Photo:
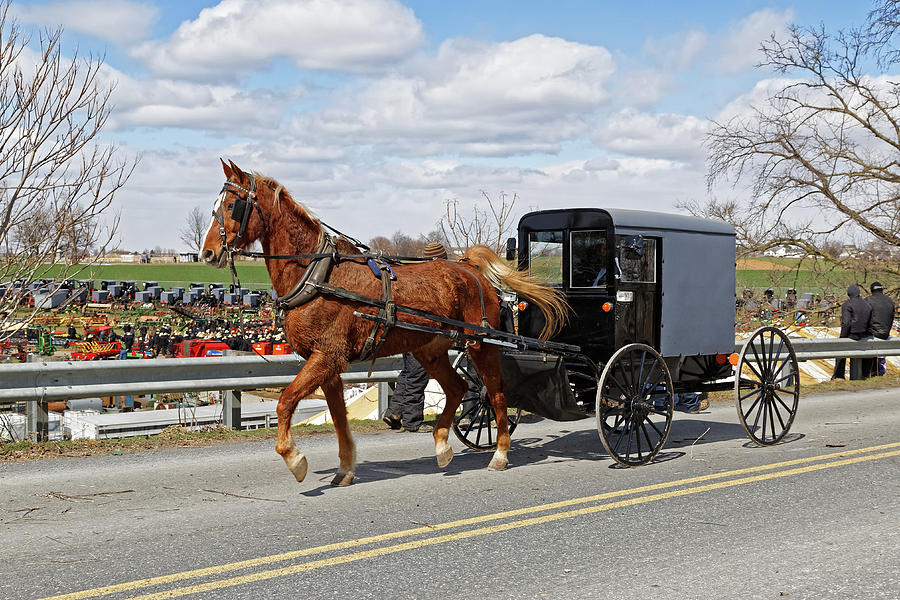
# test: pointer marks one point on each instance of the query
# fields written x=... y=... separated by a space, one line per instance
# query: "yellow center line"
x=376 y=552
x=234 y=566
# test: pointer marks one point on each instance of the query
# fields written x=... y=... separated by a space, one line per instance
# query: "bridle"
x=240 y=211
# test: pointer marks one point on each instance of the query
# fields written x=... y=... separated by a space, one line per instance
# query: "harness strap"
x=316 y=272
x=327 y=288
x=387 y=315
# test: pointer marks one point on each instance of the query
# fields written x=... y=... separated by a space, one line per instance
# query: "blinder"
x=241 y=206
x=241 y=209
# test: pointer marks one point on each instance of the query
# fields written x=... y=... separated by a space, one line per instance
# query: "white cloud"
x=153 y=103
x=656 y=136
x=239 y=36
x=119 y=21
x=524 y=96
x=679 y=51
x=739 y=46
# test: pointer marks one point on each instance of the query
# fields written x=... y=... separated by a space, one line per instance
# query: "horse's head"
x=237 y=218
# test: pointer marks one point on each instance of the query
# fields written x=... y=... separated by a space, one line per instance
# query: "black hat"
x=876 y=287
x=853 y=291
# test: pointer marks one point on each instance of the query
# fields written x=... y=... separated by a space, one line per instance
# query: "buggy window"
x=637 y=267
x=545 y=256
x=589 y=259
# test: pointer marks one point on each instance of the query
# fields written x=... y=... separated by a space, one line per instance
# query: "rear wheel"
x=476 y=426
x=635 y=402
x=767 y=386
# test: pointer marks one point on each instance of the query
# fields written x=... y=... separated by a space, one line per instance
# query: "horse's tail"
x=551 y=301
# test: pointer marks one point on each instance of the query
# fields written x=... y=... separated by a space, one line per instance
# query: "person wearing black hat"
x=127 y=341
x=882 y=320
x=856 y=317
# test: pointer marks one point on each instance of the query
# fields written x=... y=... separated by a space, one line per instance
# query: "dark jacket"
x=856 y=315
x=882 y=315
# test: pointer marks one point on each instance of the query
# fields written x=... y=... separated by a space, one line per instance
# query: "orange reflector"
x=606 y=307
x=733 y=358
x=522 y=305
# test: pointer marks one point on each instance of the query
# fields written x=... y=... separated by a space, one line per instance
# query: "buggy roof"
x=645 y=219
x=626 y=218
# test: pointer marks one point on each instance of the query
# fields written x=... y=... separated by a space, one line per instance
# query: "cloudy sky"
x=375 y=112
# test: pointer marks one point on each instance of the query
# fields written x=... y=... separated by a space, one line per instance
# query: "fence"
x=40 y=382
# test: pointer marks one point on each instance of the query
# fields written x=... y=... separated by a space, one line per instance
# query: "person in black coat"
x=882 y=320
x=856 y=317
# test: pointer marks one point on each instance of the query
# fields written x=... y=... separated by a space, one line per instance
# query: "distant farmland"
x=757 y=274
x=168 y=275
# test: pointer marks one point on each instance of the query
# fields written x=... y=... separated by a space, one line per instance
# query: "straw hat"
x=435 y=250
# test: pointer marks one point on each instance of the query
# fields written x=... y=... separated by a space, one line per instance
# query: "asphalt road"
x=713 y=517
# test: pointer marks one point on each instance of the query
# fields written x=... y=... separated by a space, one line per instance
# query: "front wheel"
x=635 y=402
x=475 y=427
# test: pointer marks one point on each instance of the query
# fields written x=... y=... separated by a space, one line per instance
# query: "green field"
x=252 y=275
x=800 y=276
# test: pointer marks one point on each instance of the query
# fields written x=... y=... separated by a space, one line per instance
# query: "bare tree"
x=56 y=182
x=821 y=152
x=195 y=227
x=489 y=225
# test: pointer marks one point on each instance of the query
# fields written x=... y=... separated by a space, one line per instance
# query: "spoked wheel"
x=767 y=386
x=635 y=401
x=476 y=427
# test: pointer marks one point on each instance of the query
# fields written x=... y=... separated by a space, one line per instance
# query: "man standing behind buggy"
x=882 y=321
x=856 y=317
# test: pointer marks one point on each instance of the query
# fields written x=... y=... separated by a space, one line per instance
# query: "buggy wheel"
x=635 y=401
x=767 y=386
x=475 y=427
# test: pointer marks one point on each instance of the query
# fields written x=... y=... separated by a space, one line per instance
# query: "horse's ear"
x=226 y=168
x=237 y=171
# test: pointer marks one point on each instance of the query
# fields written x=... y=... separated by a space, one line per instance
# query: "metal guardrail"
x=43 y=381
x=38 y=383
x=50 y=381
x=819 y=348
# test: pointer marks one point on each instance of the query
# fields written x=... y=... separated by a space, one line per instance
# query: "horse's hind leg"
x=334 y=395
x=317 y=367
x=487 y=363
x=437 y=364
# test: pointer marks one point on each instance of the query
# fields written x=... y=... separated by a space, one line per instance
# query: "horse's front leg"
x=334 y=395
x=317 y=368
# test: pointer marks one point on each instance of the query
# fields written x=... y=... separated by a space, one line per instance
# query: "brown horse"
x=324 y=330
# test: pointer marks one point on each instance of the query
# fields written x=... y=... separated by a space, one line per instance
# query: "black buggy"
x=653 y=316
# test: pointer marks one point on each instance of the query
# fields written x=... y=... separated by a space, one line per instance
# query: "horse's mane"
x=281 y=192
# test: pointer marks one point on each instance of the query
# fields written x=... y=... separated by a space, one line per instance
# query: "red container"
x=284 y=348
x=262 y=347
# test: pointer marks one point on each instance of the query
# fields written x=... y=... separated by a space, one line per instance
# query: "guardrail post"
x=37 y=428
x=37 y=418
x=231 y=408
x=385 y=391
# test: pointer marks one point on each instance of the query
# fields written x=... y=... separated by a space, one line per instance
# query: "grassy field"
x=757 y=274
x=251 y=274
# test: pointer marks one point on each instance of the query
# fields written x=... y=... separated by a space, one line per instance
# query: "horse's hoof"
x=498 y=463
x=298 y=467
x=342 y=479
x=444 y=457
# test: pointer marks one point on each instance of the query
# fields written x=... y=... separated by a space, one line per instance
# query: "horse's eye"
x=229 y=206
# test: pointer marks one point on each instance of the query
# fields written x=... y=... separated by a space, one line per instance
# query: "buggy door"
x=638 y=306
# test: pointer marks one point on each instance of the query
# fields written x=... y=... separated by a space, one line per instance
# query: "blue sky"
x=375 y=112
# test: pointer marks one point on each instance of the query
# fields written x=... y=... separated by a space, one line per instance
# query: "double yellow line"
x=595 y=504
